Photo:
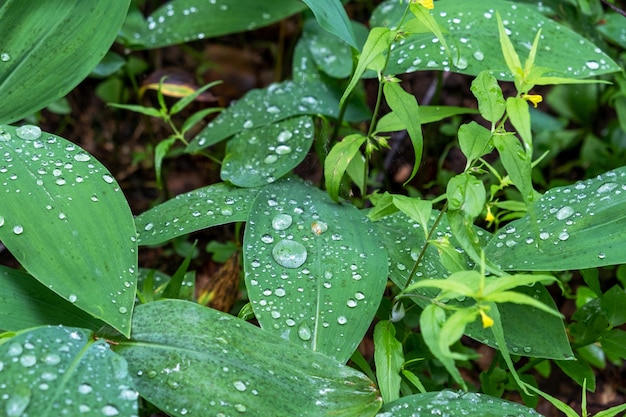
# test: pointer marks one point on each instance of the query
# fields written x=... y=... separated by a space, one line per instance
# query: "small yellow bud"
x=489 y=218
x=426 y=3
x=487 y=321
x=533 y=98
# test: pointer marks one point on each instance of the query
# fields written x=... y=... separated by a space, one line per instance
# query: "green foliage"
x=319 y=270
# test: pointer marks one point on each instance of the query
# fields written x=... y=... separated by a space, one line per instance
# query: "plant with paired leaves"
x=79 y=341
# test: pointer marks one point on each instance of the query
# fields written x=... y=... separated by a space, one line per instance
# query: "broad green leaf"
x=614 y=344
x=237 y=367
x=471 y=29
x=579 y=371
x=475 y=141
x=44 y=49
x=489 y=95
x=53 y=371
x=613 y=27
x=181 y=21
x=196 y=210
x=404 y=239
x=68 y=223
x=390 y=122
x=337 y=162
x=378 y=41
x=519 y=115
x=405 y=106
x=315 y=270
x=260 y=156
x=416 y=209
x=576 y=227
x=467 y=194
x=612 y=303
x=266 y=106
x=389 y=359
x=455 y=403
x=331 y=15
x=432 y=320
x=329 y=55
x=25 y=302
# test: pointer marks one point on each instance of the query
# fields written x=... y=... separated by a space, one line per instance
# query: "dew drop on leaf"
x=304 y=332
x=564 y=212
x=281 y=221
x=28 y=132
x=18 y=229
x=4 y=57
x=289 y=254
x=18 y=401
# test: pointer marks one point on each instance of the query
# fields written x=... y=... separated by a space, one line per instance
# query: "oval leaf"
x=68 y=223
x=471 y=29
x=331 y=15
x=46 y=50
x=260 y=156
x=216 y=363
x=55 y=371
x=315 y=271
x=196 y=210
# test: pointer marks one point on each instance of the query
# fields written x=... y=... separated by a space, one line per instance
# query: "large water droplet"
x=563 y=235
x=18 y=401
x=283 y=149
x=82 y=157
x=284 y=136
x=607 y=187
x=240 y=386
x=85 y=388
x=564 y=212
x=4 y=135
x=289 y=254
x=304 y=331
x=4 y=57
x=108 y=179
x=109 y=410
x=592 y=65
x=281 y=221
x=28 y=132
x=319 y=227
x=478 y=55
x=18 y=229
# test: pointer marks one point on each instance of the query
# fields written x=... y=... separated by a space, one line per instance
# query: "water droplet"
x=1 y=221
x=267 y=238
x=240 y=407
x=28 y=132
x=4 y=57
x=51 y=359
x=18 y=230
x=544 y=235
x=72 y=298
x=122 y=310
x=564 y=212
x=527 y=349
x=290 y=322
x=82 y=157
x=461 y=63
x=284 y=136
x=28 y=360
x=359 y=296
x=18 y=401
x=319 y=227
x=304 y=332
x=351 y=303
x=248 y=124
x=592 y=65
x=280 y=292
x=283 y=149
x=607 y=187
x=109 y=410
x=563 y=235
x=281 y=221
x=240 y=386
x=601 y=255
x=148 y=227
x=271 y=158
x=342 y=320
x=289 y=254
x=108 y=179
x=85 y=388
x=478 y=55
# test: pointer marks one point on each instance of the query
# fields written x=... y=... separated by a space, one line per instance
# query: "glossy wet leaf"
x=389 y=359
x=331 y=15
x=43 y=57
x=68 y=224
x=329 y=55
x=315 y=270
x=260 y=156
x=196 y=210
x=25 y=302
x=262 y=107
x=471 y=30
x=404 y=239
x=576 y=227
x=181 y=21
x=390 y=122
x=338 y=160
x=53 y=371
x=454 y=403
x=240 y=368
x=489 y=95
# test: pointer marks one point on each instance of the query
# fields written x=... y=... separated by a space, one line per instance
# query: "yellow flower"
x=489 y=218
x=426 y=3
x=487 y=321
x=533 y=98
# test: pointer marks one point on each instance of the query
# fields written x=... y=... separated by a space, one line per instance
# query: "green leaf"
x=517 y=164
x=390 y=122
x=455 y=403
x=508 y=50
x=614 y=344
x=519 y=115
x=389 y=358
x=25 y=302
x=65 y=205
x=331 y=15
x=44 y=47
x=160 y=152
x=315 y=271
x=337 y=162
x=52 y=371
x=576 y=227
x=196 y=210
x=260 y=156
x=416 y=209
x=475 y=141
x=378 y=41
x=470 y=28
x=279 y=101
x=185 y=101
x=181 y=21
x=147 y=111
x=611 y=412
x=612 y=303
x=489 y=95
x=404 y=105
x=466 y=193
x=242 y=368
x=432 y=320
x=579 y=371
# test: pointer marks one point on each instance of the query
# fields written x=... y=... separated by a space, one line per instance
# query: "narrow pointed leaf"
x=216 y=363
x=331 y=15
x=315 y=270
x=68 y=223
x=576 y=227
x=337 y=161
x=256 y=157
x=389 y=359
x=196 y=210
x=46 y=50
x=53 y=371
